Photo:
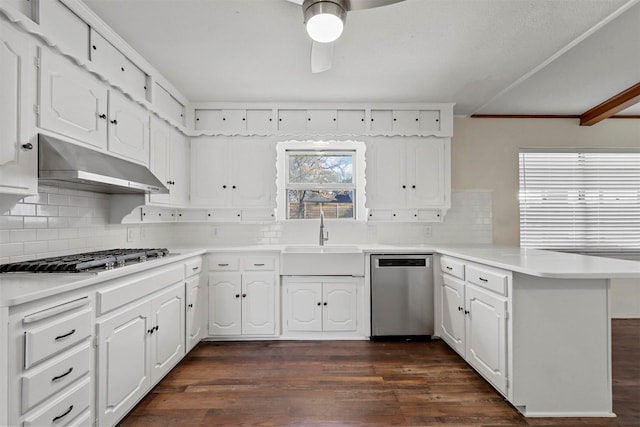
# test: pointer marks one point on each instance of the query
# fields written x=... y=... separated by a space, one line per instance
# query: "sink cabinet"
x=243 y=298
x=331 y=306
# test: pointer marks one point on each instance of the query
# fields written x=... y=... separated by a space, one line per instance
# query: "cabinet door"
x=351 y=121
x=386 y=174
x=210 y=185
x=72 y=102
x=292 y=120
x=160 y=157
x=381 y=121
x=225 y=304
x=179 y=189
x=254 y=173
x=167 y=341
x=426 y=173
x=128 y=128
x=260 y=122
x=196 y=310
x=18 y=165
x=452 y=309
x=405 y=122
x=322 y=120
x=304 y=307
x=258 y=304
x=340 y=307
x=123 y=361
x=234 y=121
x=486 y=340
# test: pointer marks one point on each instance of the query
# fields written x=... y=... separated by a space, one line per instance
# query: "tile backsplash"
x=57 y=221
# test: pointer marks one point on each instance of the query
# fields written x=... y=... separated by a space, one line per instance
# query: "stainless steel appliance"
x=85 y=262
x=402 y=296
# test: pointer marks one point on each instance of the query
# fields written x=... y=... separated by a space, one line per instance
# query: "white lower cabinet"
x=196 y=301
x=242 y=296
x=474 y=323
x=137 y=346
x=323 y=304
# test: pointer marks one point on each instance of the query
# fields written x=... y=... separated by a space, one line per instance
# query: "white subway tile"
x=11 y=249
x=36 y=247
x=58 y=245
x=20 y=209
x=79 y=201
x=37 y=198
x=68 y=211
x=44 y=210
x=10 y=222
x=47 y=234
x=58 y=199
x=5 y=236
x=67 y=233
x=35 y=222
x=22 y=235
x=57 y=222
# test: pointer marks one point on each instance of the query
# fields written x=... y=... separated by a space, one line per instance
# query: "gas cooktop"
x=85 y=262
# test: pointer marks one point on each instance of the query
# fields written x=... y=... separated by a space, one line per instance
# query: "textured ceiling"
x=487 y=56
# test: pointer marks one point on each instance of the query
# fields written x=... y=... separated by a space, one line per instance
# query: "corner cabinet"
x=18 y=142
x=408 y=179
x=243 y=297
x=317 y=307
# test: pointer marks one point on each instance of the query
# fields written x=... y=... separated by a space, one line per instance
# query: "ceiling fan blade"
x=368 y=4
x=321 y=56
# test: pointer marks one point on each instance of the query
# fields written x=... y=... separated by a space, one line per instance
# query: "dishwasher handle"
x=402 y=262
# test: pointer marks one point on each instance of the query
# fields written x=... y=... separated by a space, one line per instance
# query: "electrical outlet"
x=133 y=234
x=426 y=231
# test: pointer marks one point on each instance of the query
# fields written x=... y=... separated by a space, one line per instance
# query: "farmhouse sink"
x=322 y=261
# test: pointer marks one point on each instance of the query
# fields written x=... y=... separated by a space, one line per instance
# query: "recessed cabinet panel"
x=452 y=309
x=292 y=120
x=134 y=80
x=429 y=120
x=234 y=121
x=209 y=182
x=406 y=122
x=208 y=119
x=251 y=186
x=65 y=27
x=159 y=157
x=304 y=307
x=128 y=129
x=260 y=121
x=386 y=176
x=18 y=162
x=168 y=104
x=350 y=121
x=72 y=102
x=340 y=307
x=322 y=120
x=426 y=165
x=381 y=121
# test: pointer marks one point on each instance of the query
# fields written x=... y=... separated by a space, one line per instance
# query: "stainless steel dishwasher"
x=402 y=296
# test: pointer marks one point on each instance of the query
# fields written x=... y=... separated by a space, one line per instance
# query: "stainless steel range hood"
x=69 y=165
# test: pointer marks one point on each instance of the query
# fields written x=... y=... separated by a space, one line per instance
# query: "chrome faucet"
x=323 y=237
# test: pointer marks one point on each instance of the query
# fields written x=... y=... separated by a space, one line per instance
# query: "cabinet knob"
x=324 y=303
x=237 y=295
x=319 y=304
x=413 y=186
x=103 y=116
x=467 y=312
x=404 y=186
x=27 y=146
x=244 y=295
x=190 y=305
x=224 y=186
x=233 y=186
x=114 y=122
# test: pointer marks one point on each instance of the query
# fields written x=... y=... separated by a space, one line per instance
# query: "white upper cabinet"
x=407 y=175
x=168 y=105
x=406 y=122
x=235 y=121
x=169 y=161
x=128 y=128
x=116 y=67
x=72 y=102
x=18 y=144
x=232 y=173
x=63 y=27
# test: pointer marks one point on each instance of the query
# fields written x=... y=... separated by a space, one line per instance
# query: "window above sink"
x=321 y=176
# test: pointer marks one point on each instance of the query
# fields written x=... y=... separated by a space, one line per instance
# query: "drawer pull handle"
x=195 y=268
x=449 y=268
x=258 y=265
x=63 y=375
x=223 y=265
x=482 y=279
x=63 y=415
x=61 y=337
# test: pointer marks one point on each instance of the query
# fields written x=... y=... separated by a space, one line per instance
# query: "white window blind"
x=587 y=200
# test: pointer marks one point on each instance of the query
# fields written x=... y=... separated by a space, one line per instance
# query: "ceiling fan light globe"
x=325 y=27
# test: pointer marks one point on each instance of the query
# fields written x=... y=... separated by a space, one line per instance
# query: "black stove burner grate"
x=89 y=261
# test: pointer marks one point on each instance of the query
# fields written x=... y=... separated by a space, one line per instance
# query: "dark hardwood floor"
x=356 y=383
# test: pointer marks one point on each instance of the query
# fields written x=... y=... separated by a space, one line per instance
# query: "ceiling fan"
x=324 y=20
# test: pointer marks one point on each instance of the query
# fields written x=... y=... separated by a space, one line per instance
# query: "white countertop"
x=23 y=287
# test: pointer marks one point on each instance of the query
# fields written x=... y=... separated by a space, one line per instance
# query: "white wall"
x=484 y=155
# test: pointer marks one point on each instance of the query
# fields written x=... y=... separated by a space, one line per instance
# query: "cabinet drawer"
x=256 y=263
x=52 y=377
x=192 y=267
x=224 y=263
x=47 y=340
x=64 y=408
x=495 y=281
x=452 y=267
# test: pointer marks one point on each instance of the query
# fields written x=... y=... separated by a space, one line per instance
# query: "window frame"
x=356 y=149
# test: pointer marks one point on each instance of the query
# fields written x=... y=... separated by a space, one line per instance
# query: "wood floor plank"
x=357 y=383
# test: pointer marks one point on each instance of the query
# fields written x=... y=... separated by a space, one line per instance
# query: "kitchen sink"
x=334 y=260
